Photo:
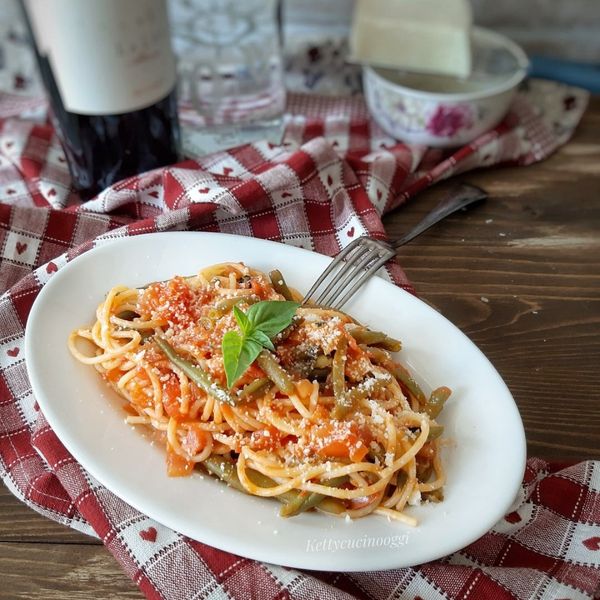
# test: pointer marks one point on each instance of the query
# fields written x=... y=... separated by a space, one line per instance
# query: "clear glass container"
x=229 y=64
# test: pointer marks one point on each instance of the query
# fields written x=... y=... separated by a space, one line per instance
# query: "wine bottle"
x=109 y=71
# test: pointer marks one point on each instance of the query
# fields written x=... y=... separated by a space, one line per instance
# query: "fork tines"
x=361 y=259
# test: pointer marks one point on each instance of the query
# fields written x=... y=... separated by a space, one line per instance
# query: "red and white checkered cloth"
x=330 y=182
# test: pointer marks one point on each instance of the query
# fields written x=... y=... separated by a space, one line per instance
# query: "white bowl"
x=444 y=111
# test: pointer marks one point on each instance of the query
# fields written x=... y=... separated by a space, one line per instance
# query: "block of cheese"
x=424 y=36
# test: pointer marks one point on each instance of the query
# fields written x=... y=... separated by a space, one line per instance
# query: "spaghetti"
x=326 y=420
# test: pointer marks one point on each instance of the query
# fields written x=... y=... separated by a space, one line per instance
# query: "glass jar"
x=230 y=62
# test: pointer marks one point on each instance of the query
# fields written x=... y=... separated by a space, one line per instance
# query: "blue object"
x=573 y=73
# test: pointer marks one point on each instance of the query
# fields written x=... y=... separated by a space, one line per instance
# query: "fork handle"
x=461 y=197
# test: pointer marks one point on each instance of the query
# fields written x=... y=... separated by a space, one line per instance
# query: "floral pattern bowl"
x=443 y=111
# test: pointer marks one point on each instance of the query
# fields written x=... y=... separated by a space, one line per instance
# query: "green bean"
x=435 y=431
x=224 y=468
x=375 y=338
x=436 y=401
x=279 y=284
x=307 y=500
x=260 y=480
x=195 y=373
x=381 y=357
x=303 y=502
x=252 y=389
x=322 y=362
x=285 y=334
x=332 y=506
x=378 y=355
x=320 y=368
x=275 y=372
x=225 y=305
x=364 y=389
x=342 y=402
x=404 y=377
x=357 y=393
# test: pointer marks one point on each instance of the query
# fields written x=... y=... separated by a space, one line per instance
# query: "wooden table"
x=519 y=275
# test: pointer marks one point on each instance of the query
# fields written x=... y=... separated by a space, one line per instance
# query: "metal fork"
x=363 y=257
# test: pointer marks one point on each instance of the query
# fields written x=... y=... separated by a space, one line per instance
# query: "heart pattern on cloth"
x=149 y=535
x=21 y=247
x=513 y=517
x=13 y=352
x=11 y=191
x=227 y=171
x=153 y=193
x=51 y=268
x=204 y=190
x=51 y=192
x=592 y=543
x=350 y=232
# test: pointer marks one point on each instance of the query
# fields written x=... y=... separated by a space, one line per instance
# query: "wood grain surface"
x=520 y=275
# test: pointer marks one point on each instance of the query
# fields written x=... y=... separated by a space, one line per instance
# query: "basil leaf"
x=242 y=320
x=238 y=354
x=272 y=316
x=258 y=325
x=262 y=338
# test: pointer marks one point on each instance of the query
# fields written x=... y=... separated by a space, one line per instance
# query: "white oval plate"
x=484 y=465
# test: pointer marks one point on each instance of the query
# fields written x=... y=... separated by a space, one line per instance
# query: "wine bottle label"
x=107 y=56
